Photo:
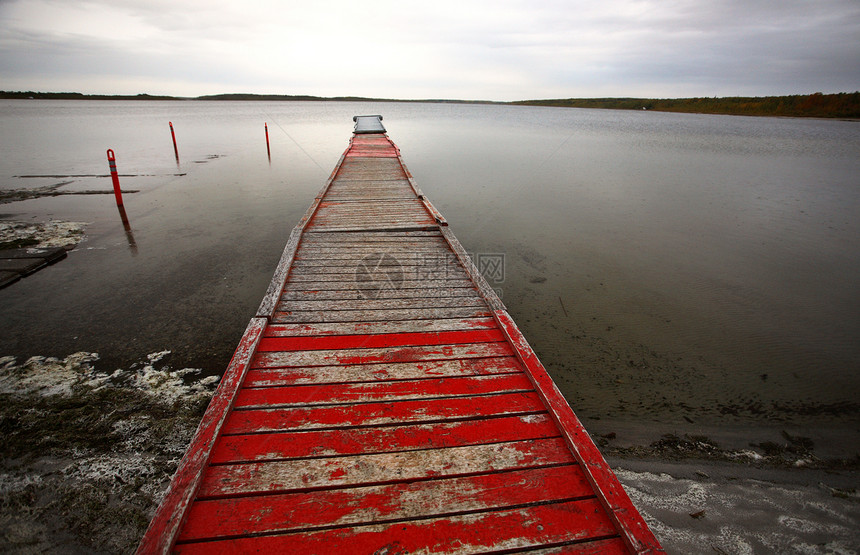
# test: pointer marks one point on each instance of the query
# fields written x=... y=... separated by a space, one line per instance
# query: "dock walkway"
x=383 y=401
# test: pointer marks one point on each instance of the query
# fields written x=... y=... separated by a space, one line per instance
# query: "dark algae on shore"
x=86 y=455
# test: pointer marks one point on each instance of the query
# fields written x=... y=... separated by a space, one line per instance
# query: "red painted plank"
x=354 y=373
x=369 y=139
x=171 y=512
x=365 y=328
x=379 y=468
x=334 y=394
x=376 y=414
x=356 y=441
x=629 y=522
x=372 y=356
x=367 y=153
x=474 y=533
x=244 y=516
x=383 y=340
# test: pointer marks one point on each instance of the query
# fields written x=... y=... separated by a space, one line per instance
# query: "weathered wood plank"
x=379 y=194
x=370 y=165
x=376 y=504
x=417 y=251
x=471 y=533
x=417 y=278
x=377 y=226
x=359 y=189
x=266 y=377
x=412 y=353
x=351 y=253
x=359 y=238
x=371 y=239
x=355 y=173
x=352 y=211
x=378 y=315
x=346 y=186
x=364 y=328
x=370 y=270
x=372 y=153
x=374 y=207
x=357 y=441
x=430 y=261
x=377 y=258
x=359 y=212
x=380 y=414
x=347 y=282
x=352 y=293
x=336 y=222
x=363 y=236
x=376 y=341
x=381 y=279
x=413 y=303
x=357 y=170
x=401 y=390
x=379 y=468
x=410 y=221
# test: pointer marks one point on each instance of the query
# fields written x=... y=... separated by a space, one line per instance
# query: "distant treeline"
x=818 y=105
x=79 y=96
x=231 y=96
x=279 y=97
x=841 y=105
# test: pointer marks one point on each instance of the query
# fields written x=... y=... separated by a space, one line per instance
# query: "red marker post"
x=114 y=177
x=268 y=150
x=172 y=134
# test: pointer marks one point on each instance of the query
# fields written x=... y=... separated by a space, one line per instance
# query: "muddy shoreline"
x=88 y=455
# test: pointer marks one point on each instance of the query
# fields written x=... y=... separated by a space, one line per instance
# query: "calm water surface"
x=666 y=267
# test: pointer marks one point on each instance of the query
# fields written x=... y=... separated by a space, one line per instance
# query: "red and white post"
x=173 y=135
x=114 y=177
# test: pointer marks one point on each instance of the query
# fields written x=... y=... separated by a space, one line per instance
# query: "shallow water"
x=665 y=267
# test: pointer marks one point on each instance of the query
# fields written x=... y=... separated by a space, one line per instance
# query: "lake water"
x=670 y=268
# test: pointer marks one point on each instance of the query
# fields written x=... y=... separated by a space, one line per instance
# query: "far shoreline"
x=841 y=106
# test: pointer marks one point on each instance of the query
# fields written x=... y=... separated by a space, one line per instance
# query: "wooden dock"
x=18 y=263
x=383 y=401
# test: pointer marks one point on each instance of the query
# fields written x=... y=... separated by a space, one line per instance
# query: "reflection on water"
x=132 y=245
x=672 y=267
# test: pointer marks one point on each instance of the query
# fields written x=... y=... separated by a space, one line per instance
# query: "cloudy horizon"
x=500 y=51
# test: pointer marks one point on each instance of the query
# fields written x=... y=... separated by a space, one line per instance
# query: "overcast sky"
x=493 y=50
